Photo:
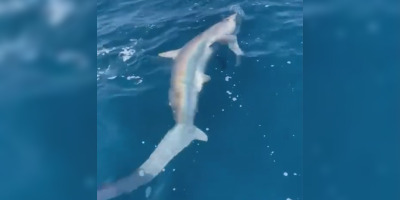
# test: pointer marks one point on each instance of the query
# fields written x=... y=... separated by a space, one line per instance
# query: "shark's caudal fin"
x=178 y=138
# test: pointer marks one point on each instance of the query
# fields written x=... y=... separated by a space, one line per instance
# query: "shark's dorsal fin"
x=170 y=54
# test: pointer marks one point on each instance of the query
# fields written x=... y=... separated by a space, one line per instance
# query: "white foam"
x=104 y=51
x=112 y=77
x=227 y=78
x=285 y=174
x=138 y=78
x=143 y=142
x=132 y=77
x=126 y=53
x=207 y=129
x=107 y=71
x=289 y=62
x=173 y=189
x=228 y=92
x=234 y=99
x=288 y=199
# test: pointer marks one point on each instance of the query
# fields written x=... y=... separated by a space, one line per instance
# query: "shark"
x=187 y=79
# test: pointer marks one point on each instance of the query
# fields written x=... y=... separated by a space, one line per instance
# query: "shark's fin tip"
x=200 y=135
x=170 y=54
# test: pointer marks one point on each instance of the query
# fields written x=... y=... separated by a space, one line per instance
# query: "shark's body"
x=186 y=82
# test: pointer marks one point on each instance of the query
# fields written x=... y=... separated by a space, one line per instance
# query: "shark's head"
x=231 y=24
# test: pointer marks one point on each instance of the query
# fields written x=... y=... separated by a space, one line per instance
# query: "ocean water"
x=351 y=100
x=48 y=100
x=251 y=113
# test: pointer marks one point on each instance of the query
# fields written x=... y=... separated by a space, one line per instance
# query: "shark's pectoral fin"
x=170 y=54
x=206 y=78
x=233 y=45
x=201 y=78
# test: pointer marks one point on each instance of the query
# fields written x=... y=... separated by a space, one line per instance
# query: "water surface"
x=252 y=113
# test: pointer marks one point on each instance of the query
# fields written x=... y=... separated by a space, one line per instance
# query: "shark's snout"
x=233 y=17
x=238 y=19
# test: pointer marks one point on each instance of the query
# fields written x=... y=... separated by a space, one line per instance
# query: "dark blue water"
x=47 y=103
x=351 y=100
x=252 y=113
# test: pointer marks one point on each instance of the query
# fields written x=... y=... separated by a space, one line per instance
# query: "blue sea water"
x=47 y=103
x=351 y=100
x=252 y=113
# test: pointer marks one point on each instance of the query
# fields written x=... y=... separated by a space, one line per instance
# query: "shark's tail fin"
x=179 y=137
